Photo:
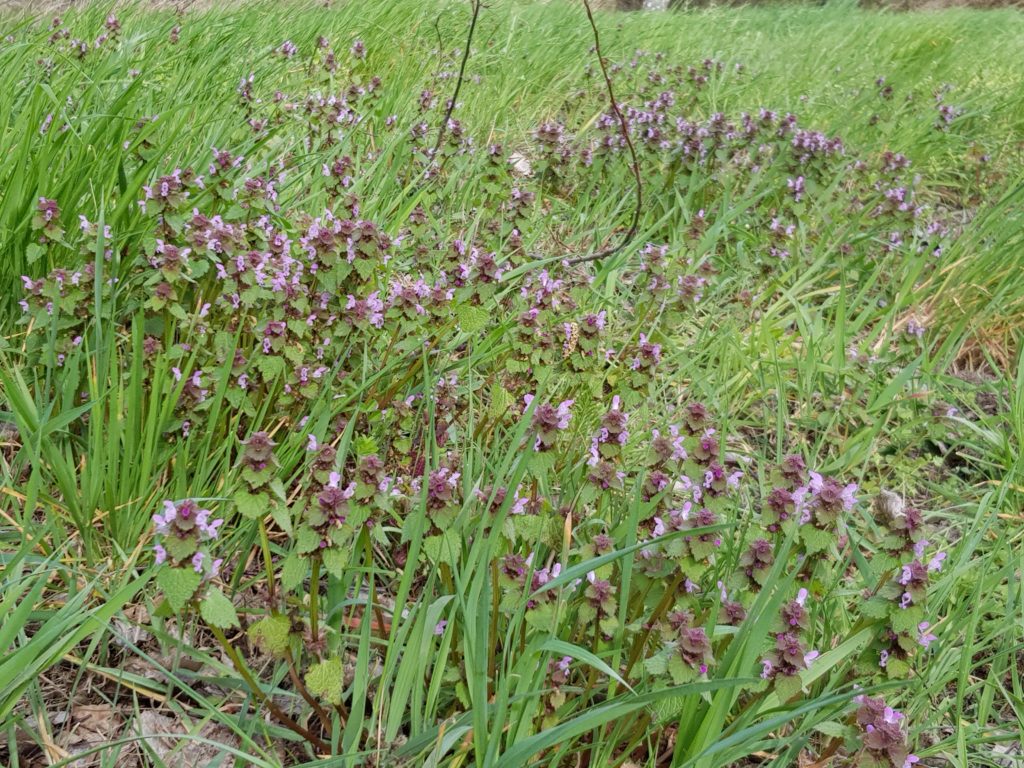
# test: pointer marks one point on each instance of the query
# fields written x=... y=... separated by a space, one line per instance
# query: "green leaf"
x=271 y=634
x=293 y=571
x=364 y=268
x=282 y=516
x=833 y=729
x=443 y=548
x=33 y=252
x=787 y=687
x=178 y=586
x=815 y=540
x=907 y=619
x=325 y=680
x=582 y=654
x=536 y=529
x=541 y=462
x=278 y=489
x=680 y=671
x=542 y=617
x=365 y=445
x=251 y=505
x=876 y=608
x=600 y=715
x=217 y=610
x=335 y=561
x=897 y=669
x=501 y=401
x=472 y=318
x=308 y=540
x=270 y=366
x=668 y=709
x=657 y=664
x=179 y=549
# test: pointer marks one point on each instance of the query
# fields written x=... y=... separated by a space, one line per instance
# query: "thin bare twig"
x=279 y=714
x=624 y=127
x=477 y=5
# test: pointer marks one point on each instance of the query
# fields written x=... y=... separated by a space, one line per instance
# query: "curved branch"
x=624 y=128
x=477 y=5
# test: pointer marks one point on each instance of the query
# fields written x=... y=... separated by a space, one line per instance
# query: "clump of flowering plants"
x=465 y=482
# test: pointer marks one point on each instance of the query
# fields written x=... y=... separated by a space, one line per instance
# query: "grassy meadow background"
x=816 y=353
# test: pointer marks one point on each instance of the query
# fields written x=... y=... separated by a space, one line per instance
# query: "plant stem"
x=268 y=563
x=314 y=602
x=321 y=713
x=279 y=714
x=493 y=630
x=372 y=588
x=641 y=640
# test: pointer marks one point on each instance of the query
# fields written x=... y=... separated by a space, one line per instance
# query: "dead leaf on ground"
x=164 y=736
x=90 y=726
x=131 y=630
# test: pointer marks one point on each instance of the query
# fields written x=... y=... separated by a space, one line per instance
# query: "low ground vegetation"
x=347 y=424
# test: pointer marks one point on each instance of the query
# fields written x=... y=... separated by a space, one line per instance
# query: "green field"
x=333 y=433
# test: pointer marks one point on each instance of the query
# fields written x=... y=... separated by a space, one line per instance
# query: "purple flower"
x=796 y=186
x=594 y=323
x=668 y=447
x=519 y=504
x=925 y=638
x=205 y=526
x=848 y=498
x=723 y=594
x=161 y=553
x=649 y=355
x=915 y=328
x=544 y=575
x=891 y=716
x=548 y=420
x=440 y=627
x=442 y=488
x=163 y=521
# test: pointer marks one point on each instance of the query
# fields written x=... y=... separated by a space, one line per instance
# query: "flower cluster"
x=606 y=448
x=547 y=421
x=356 y=359
x=883 y=735
x=183 y=530
x=789 y=655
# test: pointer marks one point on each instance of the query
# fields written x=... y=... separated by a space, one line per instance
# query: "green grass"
x=99 y=441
